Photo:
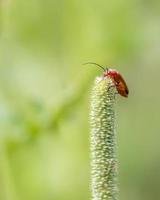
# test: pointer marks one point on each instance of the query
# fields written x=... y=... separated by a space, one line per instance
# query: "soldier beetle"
x=118 y=80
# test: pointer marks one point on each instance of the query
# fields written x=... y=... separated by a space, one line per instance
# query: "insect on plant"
x=116 y=77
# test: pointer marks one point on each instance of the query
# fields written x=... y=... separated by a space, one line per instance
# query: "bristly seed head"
x=103 y=143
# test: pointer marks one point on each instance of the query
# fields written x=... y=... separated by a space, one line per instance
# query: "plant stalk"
x=103 y=141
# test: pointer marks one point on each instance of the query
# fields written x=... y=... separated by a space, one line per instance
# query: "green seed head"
x=103 y=144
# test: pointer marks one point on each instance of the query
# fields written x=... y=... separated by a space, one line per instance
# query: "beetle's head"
x=110 y=72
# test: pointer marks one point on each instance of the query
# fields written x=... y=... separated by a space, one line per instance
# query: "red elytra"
x=118 y=80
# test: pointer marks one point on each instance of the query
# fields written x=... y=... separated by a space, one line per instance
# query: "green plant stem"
x=103 y=142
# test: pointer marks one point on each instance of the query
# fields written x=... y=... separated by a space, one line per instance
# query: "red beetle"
x=118 y=80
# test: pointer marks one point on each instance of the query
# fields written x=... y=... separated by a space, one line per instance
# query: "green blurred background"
x=45 y=94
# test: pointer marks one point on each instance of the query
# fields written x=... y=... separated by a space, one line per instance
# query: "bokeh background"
x=45 y=94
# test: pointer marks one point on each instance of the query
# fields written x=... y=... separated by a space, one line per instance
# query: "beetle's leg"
x=115 y=84
x=112 y=85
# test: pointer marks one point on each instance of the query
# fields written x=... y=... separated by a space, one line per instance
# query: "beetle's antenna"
x=95 y=64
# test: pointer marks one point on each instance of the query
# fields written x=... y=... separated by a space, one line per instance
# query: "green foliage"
x=44 y=95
